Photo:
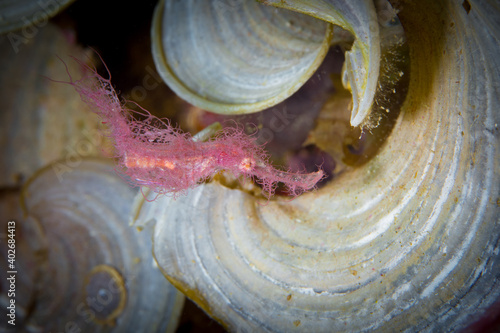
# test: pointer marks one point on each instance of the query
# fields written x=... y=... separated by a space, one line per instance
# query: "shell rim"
x=192 y=97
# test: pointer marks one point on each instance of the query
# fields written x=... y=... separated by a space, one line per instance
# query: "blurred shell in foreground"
x=42 y=121
x=91 y=270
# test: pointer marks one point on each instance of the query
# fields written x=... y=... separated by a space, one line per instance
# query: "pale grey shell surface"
x=94 y=272
x=32 y=106
x=241 y=56
x=409 y=241
x=17 y=14
x=235 y=56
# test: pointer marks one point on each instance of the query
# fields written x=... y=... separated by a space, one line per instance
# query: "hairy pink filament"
x=155 y=154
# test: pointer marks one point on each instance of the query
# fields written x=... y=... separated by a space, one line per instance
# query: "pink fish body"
x=155 y=154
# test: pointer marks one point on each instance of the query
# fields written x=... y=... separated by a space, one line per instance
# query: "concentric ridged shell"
x=42 y=121
x=94 y=271
x=408 y=241
x=236 y=57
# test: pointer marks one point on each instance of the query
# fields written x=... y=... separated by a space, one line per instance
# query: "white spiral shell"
x=408 y=241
